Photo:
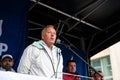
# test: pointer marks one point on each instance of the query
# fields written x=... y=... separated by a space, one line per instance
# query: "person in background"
x=43 y=58
x=98 y=76
x=7 y=63
x=71 y=71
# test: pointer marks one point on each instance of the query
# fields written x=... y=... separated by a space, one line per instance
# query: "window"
x=104 y=65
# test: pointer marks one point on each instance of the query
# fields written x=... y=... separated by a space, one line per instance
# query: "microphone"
x=59 y=42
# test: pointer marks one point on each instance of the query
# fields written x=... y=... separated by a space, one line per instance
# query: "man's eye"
x=49 y=32
x=52 y=32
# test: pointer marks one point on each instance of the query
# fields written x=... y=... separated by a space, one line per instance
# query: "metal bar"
x=94 y=10
x=73 y=26
x=81 y=76
x=32 y=38
x=105 y=40
x=33 y=6
x=84 y=16
x=83 y=9
x=91 y=41
x=35 y=29
x=32 y=22
x=61 y=30
x=86 y=8
x=69 y=42
x=58 y=26
x=72 y=36
x=68 y=47
x=75 y=18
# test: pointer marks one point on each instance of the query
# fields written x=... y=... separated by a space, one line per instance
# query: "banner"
x=13 y=28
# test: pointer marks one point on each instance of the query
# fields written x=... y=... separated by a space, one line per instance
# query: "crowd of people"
x=43 y=58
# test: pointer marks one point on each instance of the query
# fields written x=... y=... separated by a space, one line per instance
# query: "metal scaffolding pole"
x=75 y=18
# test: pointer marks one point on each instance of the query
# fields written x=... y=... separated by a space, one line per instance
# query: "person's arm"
x=26 y=60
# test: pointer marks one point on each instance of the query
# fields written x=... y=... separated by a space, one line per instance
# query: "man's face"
x=71 y=67
x=98 y=77
x=49 y=36
x=7 y=63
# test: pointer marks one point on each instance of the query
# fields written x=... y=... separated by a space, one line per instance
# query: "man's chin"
x=52 y=42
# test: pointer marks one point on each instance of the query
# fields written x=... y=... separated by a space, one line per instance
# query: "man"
x=42 y=58
x=71 y=71
x=7 y=63
x=98 y=75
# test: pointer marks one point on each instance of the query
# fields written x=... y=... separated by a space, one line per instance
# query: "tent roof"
x=88 y=25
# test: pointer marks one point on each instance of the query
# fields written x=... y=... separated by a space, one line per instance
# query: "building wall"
x=101 y=54
x=114 y=53
x=115 y=60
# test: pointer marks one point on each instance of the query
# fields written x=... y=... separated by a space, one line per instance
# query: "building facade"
x=108 y=62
